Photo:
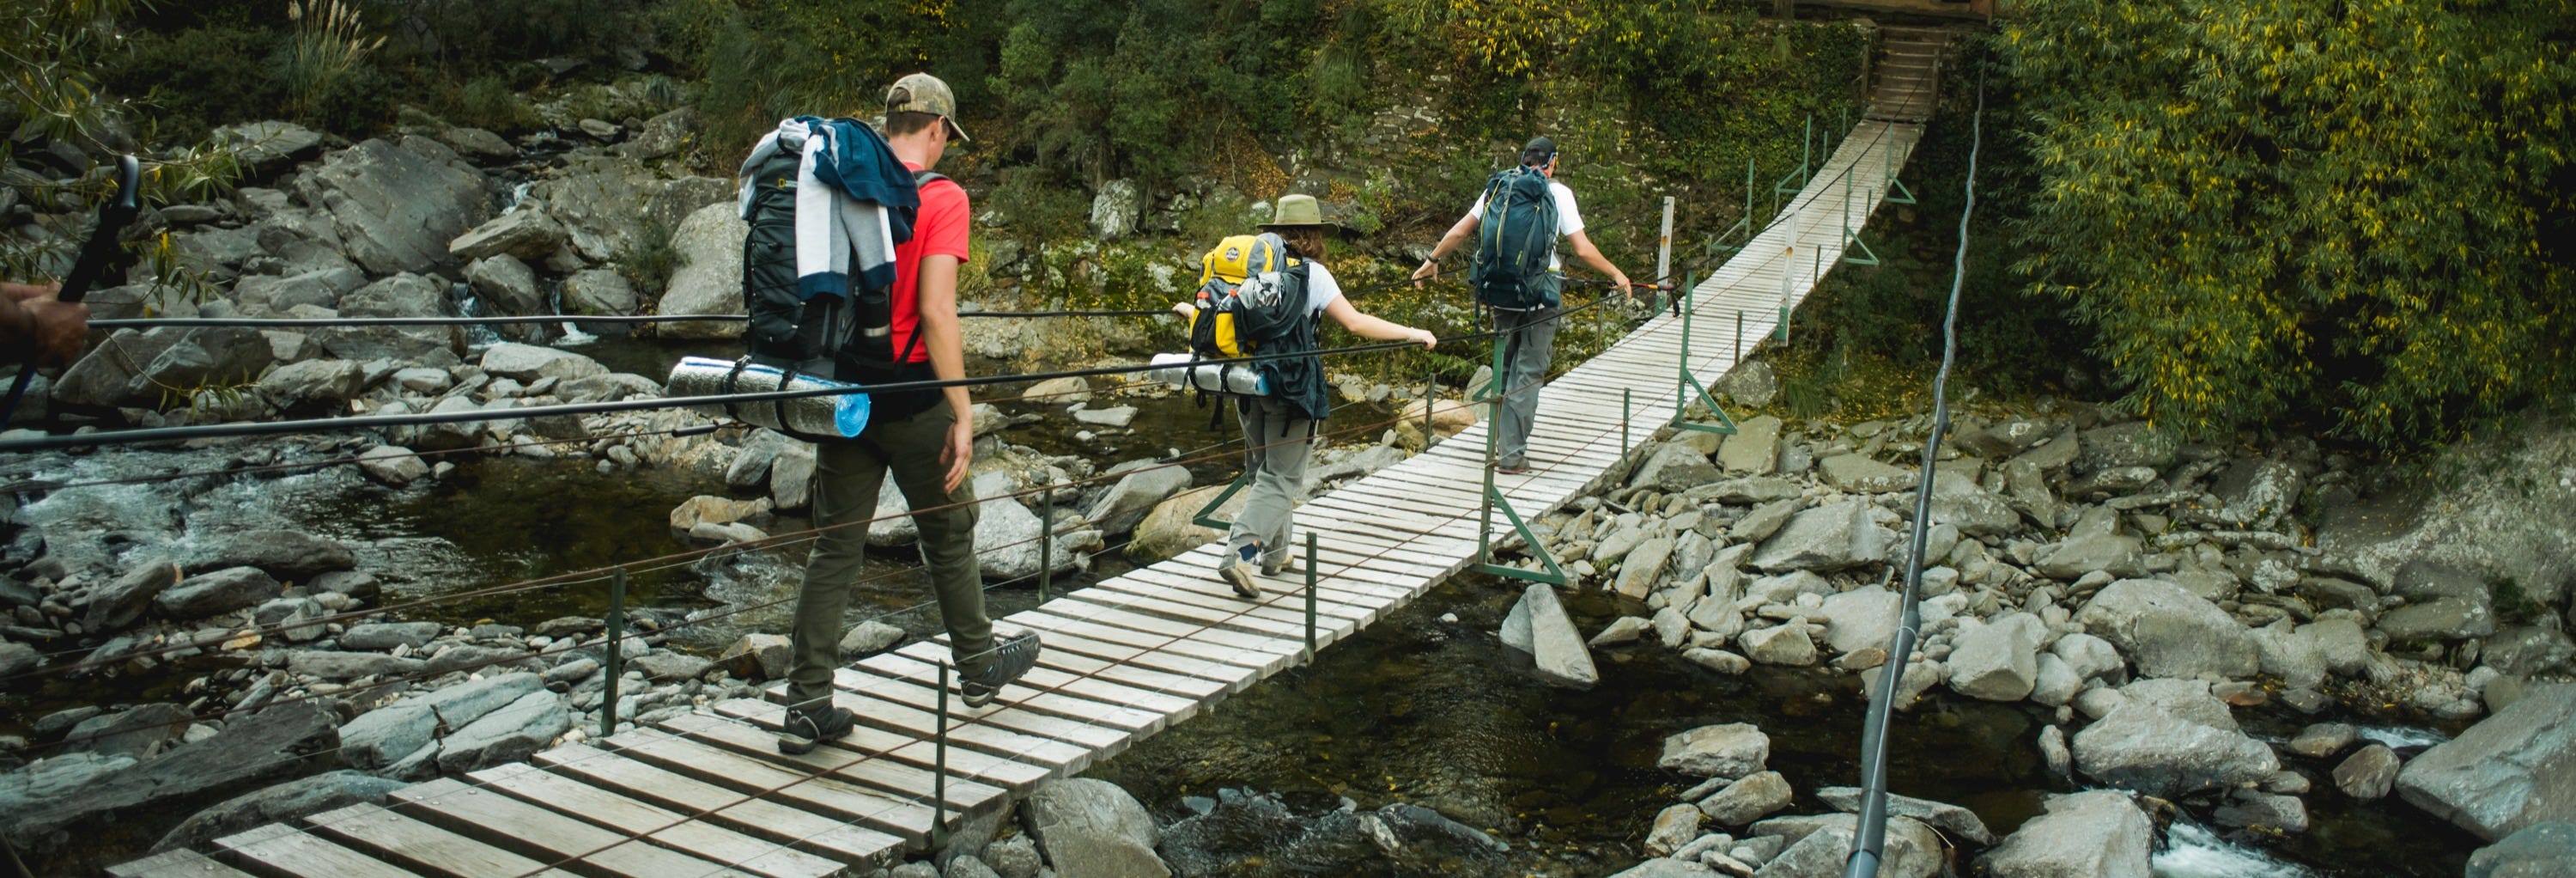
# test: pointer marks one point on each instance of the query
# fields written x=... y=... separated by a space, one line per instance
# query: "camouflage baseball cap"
x=924 y=93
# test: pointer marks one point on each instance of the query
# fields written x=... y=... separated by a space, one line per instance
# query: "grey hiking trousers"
x=1279 y=444
x=1529 y=342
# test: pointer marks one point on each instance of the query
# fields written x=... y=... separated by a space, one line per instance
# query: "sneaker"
x=808 y=729
x=1237 y=572
x=1285 y=565
x=1012 y=657
x=1511 y=469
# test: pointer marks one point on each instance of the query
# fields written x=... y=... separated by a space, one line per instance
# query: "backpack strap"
x=778 y=407
x=728 y=385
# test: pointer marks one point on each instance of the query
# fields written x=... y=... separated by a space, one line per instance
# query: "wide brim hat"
x=1301 y=212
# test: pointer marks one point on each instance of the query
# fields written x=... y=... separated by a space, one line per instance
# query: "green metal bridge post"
x=1688 y=389
x=1553 y=575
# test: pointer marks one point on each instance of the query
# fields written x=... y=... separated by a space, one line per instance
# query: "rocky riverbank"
x=2132 y=591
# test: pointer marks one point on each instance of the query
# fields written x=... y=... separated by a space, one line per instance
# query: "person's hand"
x=44 y=331
x=960 y=453
x=24 y=292
x=1426 y=337
x=1186 y=310
x=1619 y=281
x=1430 y=269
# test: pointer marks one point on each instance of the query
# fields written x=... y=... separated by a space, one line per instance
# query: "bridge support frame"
x=1494 y=499
x=1689 y=390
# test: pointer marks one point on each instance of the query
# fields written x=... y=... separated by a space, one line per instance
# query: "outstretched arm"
x=1449 y=242
x=1591 y=256
x=1366 y=326
x=38 y=329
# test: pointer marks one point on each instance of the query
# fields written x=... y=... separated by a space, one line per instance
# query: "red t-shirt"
x=938 y=229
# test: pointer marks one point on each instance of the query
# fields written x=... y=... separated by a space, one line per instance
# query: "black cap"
x=1539 y=151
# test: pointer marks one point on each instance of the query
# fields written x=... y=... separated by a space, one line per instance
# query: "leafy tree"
x=2352 y=209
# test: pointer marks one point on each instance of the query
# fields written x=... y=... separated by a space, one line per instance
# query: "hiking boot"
x=1285 y=565
x=1512 y=469
x=1237 y=572
x=808 y=729
x=1012 y=657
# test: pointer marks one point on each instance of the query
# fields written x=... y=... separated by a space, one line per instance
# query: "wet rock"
x=1748 y=799
x=2541 y=850
x=717 y=510
x=507 y=286
x=510 y=734
x=2094 y=834
x=1014 y=857
x=336 y=666
x=291 y=618
x=2528 y=650
x=390 y=735
x=285 y=802
x=2321 y=740
x=599 y=291
x=2264 y=811
x=1625 y=629
x=264 y=744
x=665 y=665
x=393 y=465
x=1787 y=644
x=1825 y=539
x=1857 y=474
x=118 y=603
x=2143 y=748
x=1674 y=466
x=2511 y=770
x=526 y=233
x=1861 y=618
x=1823 y=844
x=1754 y=449
x=870 y=637
x=1732 y=750
x=529 y=363
x=1995 y=661
x=18 y=658
x=1134 y=496
x=135 y=732
x=1058 y=391
x=1953 y=821
x=1719 y=660
x=756 y=657
x=2368 y=773
x=2170 y=632
x=394 y=208
x=709 y=280
x=313 y=386
x=289 y=555
x=1092 y=829
x=221 y=591
x=1555 y=645
x=1674 y=826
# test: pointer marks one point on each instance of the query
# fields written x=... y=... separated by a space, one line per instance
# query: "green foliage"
x=2351 y=209
x=197 y=78
x=327 y=46
x=489 y=103
x=1036 y=207
x=649 y=260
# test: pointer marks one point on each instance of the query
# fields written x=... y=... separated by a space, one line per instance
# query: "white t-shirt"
x=1569 y=220
x=1321 y=288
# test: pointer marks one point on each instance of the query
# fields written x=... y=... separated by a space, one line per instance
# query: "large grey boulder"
x=131 y=732
x=1674 y=466
x=336 y=666
x=1642 y=569
x=1115 y=211
x=2170 y=632
x=2092 y=834
x=292 y=800
x=2446 y=602
x=260 y=146
x=1997 y=660
x=1011 y=531
x=1750 y=798
x=1126 y=503
x=1953 y=821
x=1555 y=645
x=1787 y=644
x=395 y=208
x=509 y=734
x=1093 y=829
x=117 y=603
x=278 y=293
x=2140 y=747
x=1861 y=618
x=2511 y=770
x=160 y=367
x=2541 y=850
x=609 y=206
x=1822 y=845
x=390 y=735
x=286 y=554
x=526 y=233
x=1825 y=539
x=266 y=743
x=1754 y=449
x=313 y=386
x=1858 y=474
x=387 y=635
x=529 y=363
x=1667 y=867
x=709 y=280
x=505 y=285
x=599 y=291
x=1730 y=750
x=220 y=591
x=2134 y=443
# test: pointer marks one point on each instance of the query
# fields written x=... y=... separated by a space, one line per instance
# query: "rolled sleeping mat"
x=1190 y=373
x=844 y=415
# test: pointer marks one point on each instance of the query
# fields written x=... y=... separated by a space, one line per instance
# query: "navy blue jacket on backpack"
x=1515 y=259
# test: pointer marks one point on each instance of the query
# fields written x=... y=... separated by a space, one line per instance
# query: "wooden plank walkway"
x=1126 y=658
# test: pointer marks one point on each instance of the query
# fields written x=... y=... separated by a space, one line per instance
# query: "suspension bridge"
x=1127 y=657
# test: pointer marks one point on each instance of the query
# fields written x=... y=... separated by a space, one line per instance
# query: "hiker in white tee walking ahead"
x=1516 y=273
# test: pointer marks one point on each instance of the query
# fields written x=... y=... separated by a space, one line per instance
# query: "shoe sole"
x=1240 y=577
x=797 y=746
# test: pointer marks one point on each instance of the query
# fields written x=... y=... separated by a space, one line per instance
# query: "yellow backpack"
x=1221 y=272
x=1243 y=256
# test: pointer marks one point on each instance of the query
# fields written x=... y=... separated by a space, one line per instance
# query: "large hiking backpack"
x=1251 y=301
x=850 y=339
x=1516 y=242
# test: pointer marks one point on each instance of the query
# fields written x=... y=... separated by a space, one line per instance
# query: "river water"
x=1426 y=707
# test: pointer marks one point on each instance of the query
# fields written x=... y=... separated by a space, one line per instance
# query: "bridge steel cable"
x=1869 y=842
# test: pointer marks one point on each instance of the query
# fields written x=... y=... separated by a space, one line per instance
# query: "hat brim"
x=954 y=132
x=1337 y=229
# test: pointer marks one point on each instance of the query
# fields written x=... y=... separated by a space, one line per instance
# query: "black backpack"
x=1515 y=242
x=1266 y=316
x=846 y=339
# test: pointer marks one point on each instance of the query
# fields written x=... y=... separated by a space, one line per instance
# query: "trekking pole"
x=939 y=768
x=1046 y=544
x=1310 y=597
x=616 y=656
x=95 y=257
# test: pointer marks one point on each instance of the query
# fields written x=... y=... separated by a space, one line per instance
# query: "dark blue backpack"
x=1516 y=242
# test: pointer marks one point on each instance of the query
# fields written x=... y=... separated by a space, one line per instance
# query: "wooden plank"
x=663 y=827
x=1075 y=714
x=542 y=835
x=1202 y=689
x=758 y=817
x=1285 y=599
x=1246 y=616
x=181 y=863
x=1113 y=614
x=279 y=850
x=901 y=818
x=999 y=771
x=1175 y=707
x=1233 y=678
x=1092 y=742
x=1048 y=619
x=905 y=708
x=868 y=772
x=420 y=846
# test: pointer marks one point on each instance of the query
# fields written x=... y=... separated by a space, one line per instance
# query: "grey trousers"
x=1529 y=342
x=847 y=478
x=1278 y=474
